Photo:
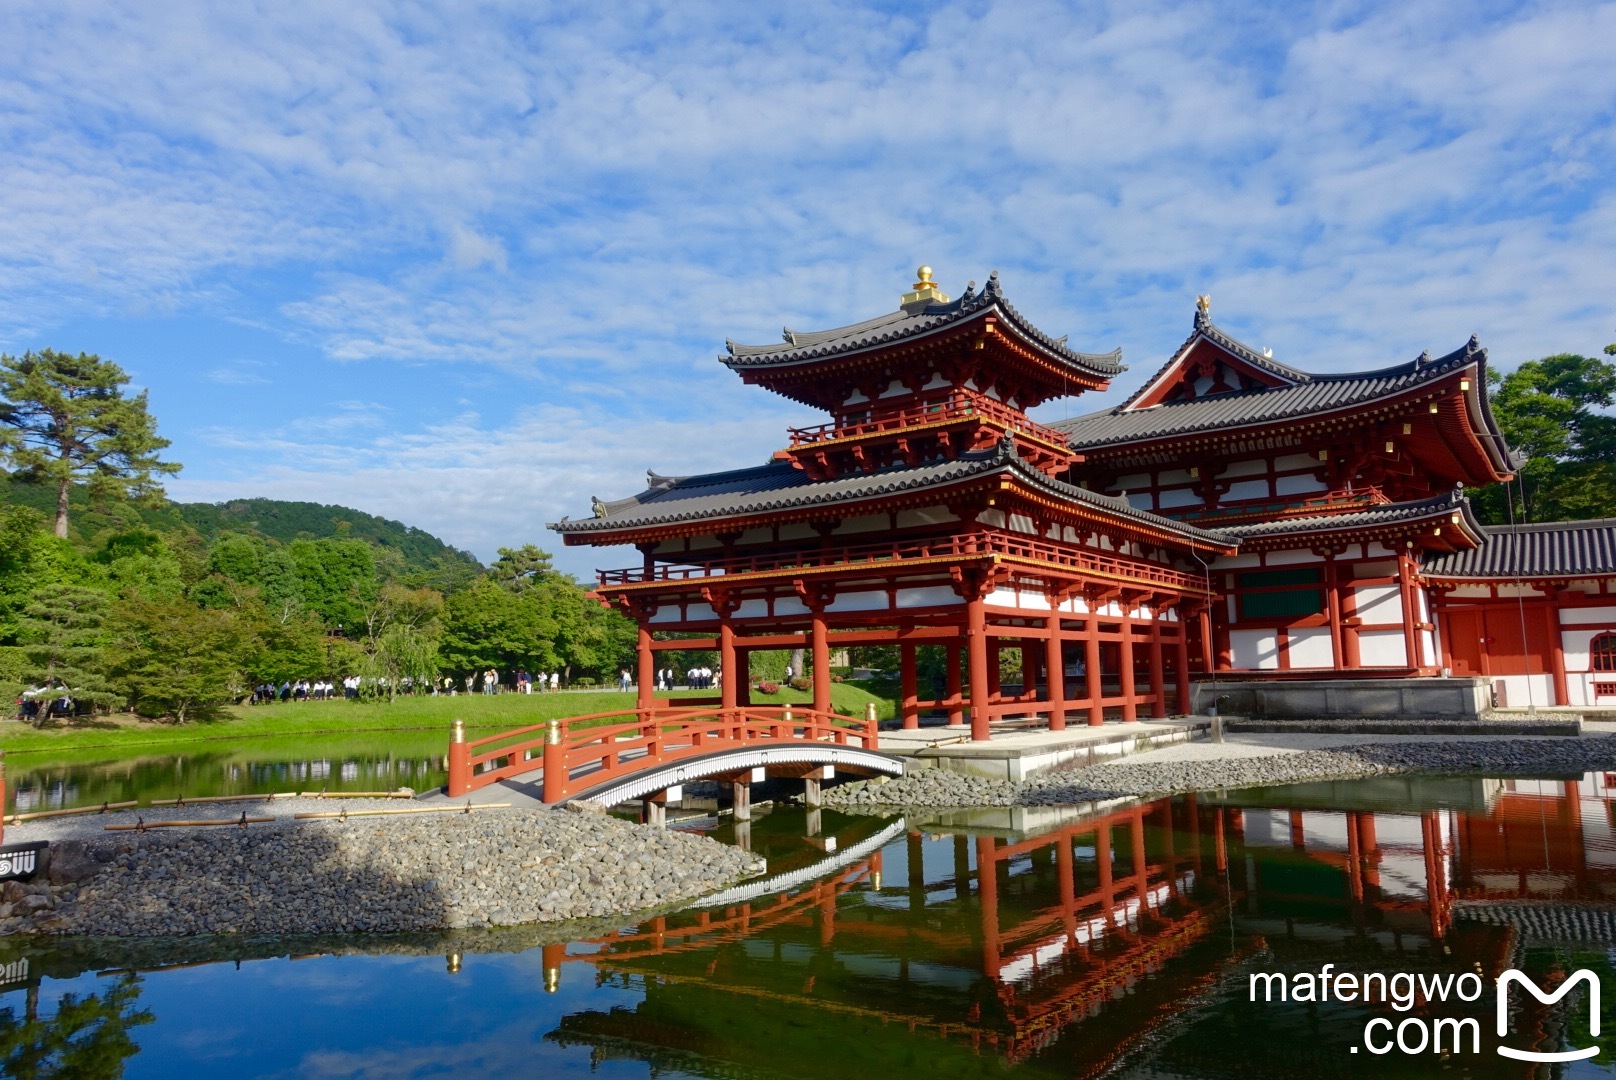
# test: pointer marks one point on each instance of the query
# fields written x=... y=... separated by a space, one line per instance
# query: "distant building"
x=1235 y=515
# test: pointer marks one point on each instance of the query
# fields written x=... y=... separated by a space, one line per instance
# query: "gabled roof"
x=779 y=486
x=1206 y=330
x=1311 y=396
x=802 y=348
x=1437 y=508
x=1560 y=549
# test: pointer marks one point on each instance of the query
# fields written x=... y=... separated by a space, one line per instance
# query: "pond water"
x=1116 y=940
x=362 y=761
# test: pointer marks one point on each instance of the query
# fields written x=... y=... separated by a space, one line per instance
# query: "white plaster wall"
x=859 y=601
x=1584 y=616
x=1179 y=497
x=1244 y=468
x=1310 y=647
x=1254 y=650
x=1247 y=489
x=1324 y=831
x=1173 y=476
x=1382 y=648
x=1294 y=558
x=1480 y=591
x=1237 y=562
x=1266 y=828
x=790 y=605
x=939 y=596
x=866 y=523
x=1428 y=649
x=1295 y=461
x=930 y=515
x=752 y=609
x=1372 y=551
x=1132 y=480
x=1297 y=485
x=1509 y=588
x=1379 y=604
x=1021 y=523
x=670 y=613
x=994 y=518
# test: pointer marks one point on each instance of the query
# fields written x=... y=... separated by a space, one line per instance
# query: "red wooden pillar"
x=956 y=703
x=1130 y=703
x=1405 y=588
x=821 y=643
x=987 y=890
x=1183 y=666
x=1055 y=677
x=1298 y=834
x=1158 y=677
x=976 y=642
x=1102 y=863
x=1354 y=858
x=1208 y=659
x=1091 y=669
x=1141 y=874
x=726 y=667
x=645 y=682
x=1332 y=599
x=1220 y=847
x=1557 y=665
x=1067 y=885
x=910 y=709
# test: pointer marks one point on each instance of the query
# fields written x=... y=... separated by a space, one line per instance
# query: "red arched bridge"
x=608 y=758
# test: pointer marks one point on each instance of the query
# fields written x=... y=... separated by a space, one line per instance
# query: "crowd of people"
x=355 y=686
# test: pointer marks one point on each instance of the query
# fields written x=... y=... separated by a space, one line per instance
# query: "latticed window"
x=1603 y=652
x=1279 y=594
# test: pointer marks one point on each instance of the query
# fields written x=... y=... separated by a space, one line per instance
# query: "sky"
x=468 y=264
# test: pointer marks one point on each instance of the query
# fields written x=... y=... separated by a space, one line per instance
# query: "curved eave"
x=1455 y=521
x=1098 y=367
x=1010 y=475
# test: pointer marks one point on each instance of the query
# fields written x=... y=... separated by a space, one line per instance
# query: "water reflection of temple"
x=1114 y=933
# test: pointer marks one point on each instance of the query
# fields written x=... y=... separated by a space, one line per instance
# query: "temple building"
x=1236 y=517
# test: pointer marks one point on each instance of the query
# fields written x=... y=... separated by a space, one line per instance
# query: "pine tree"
x=64 y=636
x=65 y=418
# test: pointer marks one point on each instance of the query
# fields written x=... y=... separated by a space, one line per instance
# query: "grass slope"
x=494 y=713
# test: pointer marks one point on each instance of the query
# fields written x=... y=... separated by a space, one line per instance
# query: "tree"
x=401 y=635
x=490 y=626
x=65 y=418
x=1551 y=410
x=173 y=658
x=64 y=636
x=519 y=569
x=336 y=578
x=87 y=1038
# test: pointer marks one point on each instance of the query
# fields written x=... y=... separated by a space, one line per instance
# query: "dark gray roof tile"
x=1558 y=549
x=1386 y=514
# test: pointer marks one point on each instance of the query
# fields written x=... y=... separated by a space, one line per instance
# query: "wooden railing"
x=586 y=751
x=956 y=405
x=1084 y=560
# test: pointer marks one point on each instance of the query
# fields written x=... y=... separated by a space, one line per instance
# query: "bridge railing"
x=584 y=751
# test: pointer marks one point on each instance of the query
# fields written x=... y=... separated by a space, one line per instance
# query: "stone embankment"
x=1149 y=779
x=417 y=873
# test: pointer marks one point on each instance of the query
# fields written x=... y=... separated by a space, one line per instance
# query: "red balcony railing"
x=968 y=546
x=956 y=405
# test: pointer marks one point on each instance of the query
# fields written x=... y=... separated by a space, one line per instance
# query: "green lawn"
x=340 y=717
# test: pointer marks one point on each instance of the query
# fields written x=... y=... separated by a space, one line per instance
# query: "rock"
x=73 y=862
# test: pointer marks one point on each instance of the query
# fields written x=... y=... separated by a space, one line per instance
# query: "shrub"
x=800 y=683
x=584 y=682
x=837 y=678
x=768 y=688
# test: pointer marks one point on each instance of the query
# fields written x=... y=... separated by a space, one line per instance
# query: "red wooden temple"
x=1235 y=515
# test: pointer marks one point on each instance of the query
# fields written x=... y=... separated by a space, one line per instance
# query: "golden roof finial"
x=1203 y=303
x=924 y=292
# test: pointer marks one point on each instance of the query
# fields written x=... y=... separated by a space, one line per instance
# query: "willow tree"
x=66 y=419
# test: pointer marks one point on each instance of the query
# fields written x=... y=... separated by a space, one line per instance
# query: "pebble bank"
x=1494 y=757
x=395 y=875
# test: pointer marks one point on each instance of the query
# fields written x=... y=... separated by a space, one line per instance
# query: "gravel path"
x=1244 y=761
x=406 y=873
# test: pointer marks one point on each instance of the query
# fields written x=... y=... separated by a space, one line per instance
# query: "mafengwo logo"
x=1426 y=1035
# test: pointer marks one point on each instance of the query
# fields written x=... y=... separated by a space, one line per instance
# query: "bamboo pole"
x=102 y=809
x=142 y=826
x=468 y=808
x=183 y=801
x=356 y=795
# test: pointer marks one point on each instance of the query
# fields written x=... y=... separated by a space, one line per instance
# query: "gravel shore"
x=1176 y=773
x=417 y=873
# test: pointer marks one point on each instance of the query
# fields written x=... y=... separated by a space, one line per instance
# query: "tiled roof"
x=1557 y=549
x=1437 y=506
x=1206 y=328
x=1317 y=395
x=798 y=348
x=780 y=486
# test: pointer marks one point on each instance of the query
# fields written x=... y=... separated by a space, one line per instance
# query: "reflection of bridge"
x=1045 y=931
x=606 y=759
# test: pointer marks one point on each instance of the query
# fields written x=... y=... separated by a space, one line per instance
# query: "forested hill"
x=418 y=551
x=288 y=521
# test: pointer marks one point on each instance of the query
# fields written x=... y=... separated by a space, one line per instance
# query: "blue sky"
x=467 y=265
